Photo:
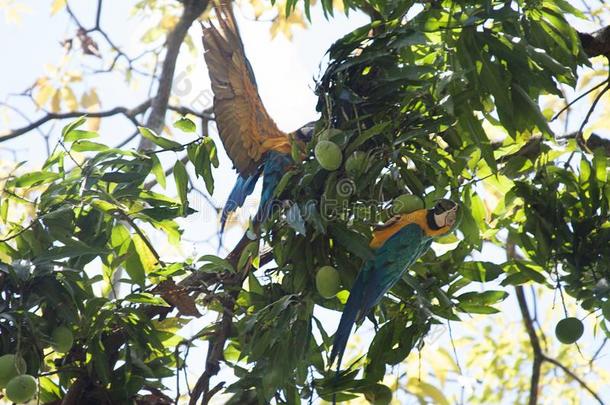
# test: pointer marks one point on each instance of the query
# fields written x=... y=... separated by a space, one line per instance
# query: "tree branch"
x=130 y=113
x=155 y=121
x=576 y=378
x=597 y=43
x=535 y=343
x=540 y=356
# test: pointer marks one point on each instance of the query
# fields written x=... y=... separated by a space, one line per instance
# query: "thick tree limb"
x=597 y=43
x=156 y=119
x=532 y=148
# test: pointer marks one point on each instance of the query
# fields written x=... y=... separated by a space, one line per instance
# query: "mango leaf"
x=181 y=179
x=354 y=242
x=295 y=219
x=32 y=179
x=158 y=171
x=72 y=126
x=186 y=125
x=146 y=298
x=477 y=309
x=480 y=271
x=426 y=391
x=158 y=140
x=483 y=298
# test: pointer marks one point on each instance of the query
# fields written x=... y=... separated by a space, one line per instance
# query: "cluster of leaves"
x=564 y=226
x=420 y=100
x=92 y=206
x=413 y=104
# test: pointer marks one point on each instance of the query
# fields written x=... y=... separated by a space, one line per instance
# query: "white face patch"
x=447 y=218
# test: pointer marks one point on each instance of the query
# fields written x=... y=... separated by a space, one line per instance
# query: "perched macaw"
x=397 y=245
x=250 y=136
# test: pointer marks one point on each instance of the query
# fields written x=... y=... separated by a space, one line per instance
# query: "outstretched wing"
x=246 y=129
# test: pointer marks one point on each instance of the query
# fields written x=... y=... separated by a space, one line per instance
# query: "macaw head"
x=445 y=214
x=305 y=133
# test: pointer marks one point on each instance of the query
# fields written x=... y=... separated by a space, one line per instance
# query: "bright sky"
x=285 y=72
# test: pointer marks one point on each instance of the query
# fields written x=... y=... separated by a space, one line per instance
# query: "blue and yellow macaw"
x=397 y=245
x=250 y=136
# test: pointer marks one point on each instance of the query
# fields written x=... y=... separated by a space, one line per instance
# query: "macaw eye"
x=451 y=217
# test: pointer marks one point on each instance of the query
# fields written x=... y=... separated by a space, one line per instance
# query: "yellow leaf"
x=57 y=6
x=73 y=76
x=56 y=102
x=69 y=98
x=168 y=22
x=13 y=11
x=90 y=100
x=425 y=390
x=147 y=257
x=93 y=124
x=51 y=70
x=43 y=95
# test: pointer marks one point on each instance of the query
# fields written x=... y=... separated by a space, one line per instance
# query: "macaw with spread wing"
x=250 y=136
x=397 y=245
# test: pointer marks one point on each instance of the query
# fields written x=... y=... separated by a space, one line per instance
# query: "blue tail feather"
x=244 y=186
x=352 y=311
x=273 y=169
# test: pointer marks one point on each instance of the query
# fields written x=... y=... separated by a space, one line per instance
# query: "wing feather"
x=243 y=123
x=391 y=261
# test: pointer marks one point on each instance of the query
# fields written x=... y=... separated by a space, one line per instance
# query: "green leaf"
x=88 y=146
x=146 y=298
x=75 y=249
x=203 y=156
x=186 y=125
x=250 y=252
x=77 y=134
x=133 y=265
x=295 y=219
x=164 y=143
x=181 y=179
x=521 y=98
x=157 y=171
x=424 y=391
x=354 y=242
x=480 y=271
x=72 y=126
x=32 y=179
x=217 y=262
x=100 y=360
x=483 y=298
x=477 y=309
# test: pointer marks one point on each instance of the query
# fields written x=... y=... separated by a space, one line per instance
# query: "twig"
x=576 y=378
x=598 y=351
x=571 y=103
x=141 y=235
